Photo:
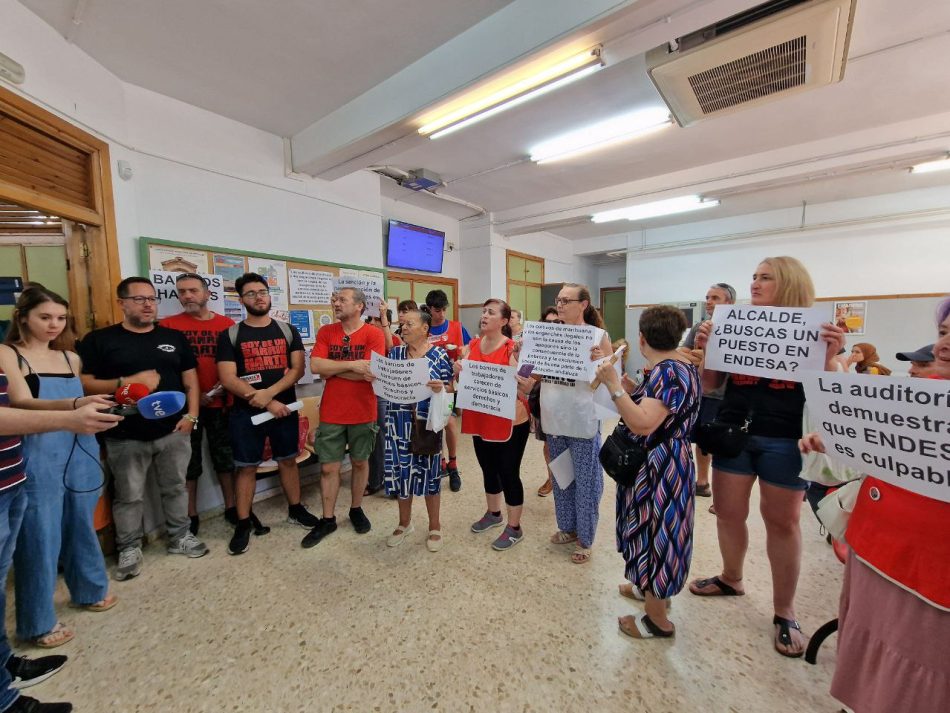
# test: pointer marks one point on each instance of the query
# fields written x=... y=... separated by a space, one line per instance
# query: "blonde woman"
x=773 y=409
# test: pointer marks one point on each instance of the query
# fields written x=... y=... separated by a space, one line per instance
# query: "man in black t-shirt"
x=259 y=362
x=137 y=351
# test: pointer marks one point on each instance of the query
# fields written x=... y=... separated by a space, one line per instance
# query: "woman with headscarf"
x=866 y=361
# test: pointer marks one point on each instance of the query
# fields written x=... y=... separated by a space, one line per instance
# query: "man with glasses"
x=451 y=336
x=259 y=362
x=341 y=357
x=138 y=351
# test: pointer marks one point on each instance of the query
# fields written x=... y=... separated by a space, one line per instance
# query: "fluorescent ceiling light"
x=683 y=204
x=603 y=134
x=482 y=105
x=931 y=166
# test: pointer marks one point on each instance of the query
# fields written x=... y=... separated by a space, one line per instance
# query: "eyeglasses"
x=255 y=293
x=140 y=300
x=346 y=346
x=564 y=301
x=554 y=321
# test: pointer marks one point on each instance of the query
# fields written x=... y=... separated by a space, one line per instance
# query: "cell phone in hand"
x=525 y=371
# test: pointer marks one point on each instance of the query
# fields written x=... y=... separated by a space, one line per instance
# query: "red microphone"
x=130 y=393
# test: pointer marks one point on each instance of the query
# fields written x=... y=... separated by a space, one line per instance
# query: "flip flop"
x=103 y=605
x=784 y=637
x=643 y=628
x=724 y=590
x=57 y=636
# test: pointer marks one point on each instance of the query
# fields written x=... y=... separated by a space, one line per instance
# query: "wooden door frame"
x=100 y=271
x=533 y=258
x=421 y=277
x=610 y=289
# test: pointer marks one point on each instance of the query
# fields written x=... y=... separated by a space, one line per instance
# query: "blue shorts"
x=777 y=461
x=247 y=440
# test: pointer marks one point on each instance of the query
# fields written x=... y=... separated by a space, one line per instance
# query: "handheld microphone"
x=130 y=393
x=259 y=418
x=161 y=404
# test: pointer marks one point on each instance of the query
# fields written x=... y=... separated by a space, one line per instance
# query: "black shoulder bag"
x=622 y=457
x=422 y=441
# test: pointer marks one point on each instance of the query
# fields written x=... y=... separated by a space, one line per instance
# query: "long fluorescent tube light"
x=942 y=164
x=683 y=204
x=603 y=134
x=518 y=92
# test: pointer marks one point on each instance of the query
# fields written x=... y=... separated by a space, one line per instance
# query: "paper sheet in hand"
x=487 y=388
x=372 y=287
x=773 y=342
x=401 y=381
x=559 y=349
x=562 y=468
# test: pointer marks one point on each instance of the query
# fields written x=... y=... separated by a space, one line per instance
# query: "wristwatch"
x=189 y=417
x=614 y=395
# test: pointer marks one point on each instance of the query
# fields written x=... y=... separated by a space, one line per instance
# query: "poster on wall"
x=168 y=303
x=302 y=319
x=177 y=259
x=230 y=267
x=852 y=317
x=233 y=307
x=310 y=287
x=321 y=318
x=275 y=272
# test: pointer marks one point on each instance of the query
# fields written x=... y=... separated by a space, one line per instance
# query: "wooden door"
x=614 y=309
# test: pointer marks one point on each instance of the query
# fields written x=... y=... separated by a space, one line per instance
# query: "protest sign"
x=896 y=429
x=487 y=388
x=559 y=349
x=401 y=381
x=168 y=304
x=774 y=342
x=372 y=287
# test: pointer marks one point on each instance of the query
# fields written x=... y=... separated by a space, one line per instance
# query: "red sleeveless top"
x=490 y=428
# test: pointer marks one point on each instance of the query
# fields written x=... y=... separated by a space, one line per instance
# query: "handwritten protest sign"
x=559 y=349
x=487 y=388
x=372 y=287
x=776 y=342
x=897 y=429
x=401 y=381
x=168 y=304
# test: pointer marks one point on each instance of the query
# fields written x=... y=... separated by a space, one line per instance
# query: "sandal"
x=434 y=545
x=643 y=628
x=631 y=591
x=102 y=605
x=784 y=636
x=563 y=538
x=57 y=636
x=399 y=535
x=580 y=555
x=722 y=589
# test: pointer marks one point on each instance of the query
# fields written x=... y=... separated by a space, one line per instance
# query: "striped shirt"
x=12 y=468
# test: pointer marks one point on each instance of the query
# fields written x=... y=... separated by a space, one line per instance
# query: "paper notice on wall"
x=562 y=468
x=487 y=388
x=773 y=342
x=372 y=288
x=168 y=303
x=559 y=349
x=896 y=429
x=302 y=319
x=401 y=381
x=275 y=272
x=310 y=287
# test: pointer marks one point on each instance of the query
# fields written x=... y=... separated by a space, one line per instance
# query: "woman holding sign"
x=499 y=442
x=770 y=412
x=409 y=474
x=894 y=617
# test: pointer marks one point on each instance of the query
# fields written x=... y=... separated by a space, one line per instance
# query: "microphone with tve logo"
x=161 y=404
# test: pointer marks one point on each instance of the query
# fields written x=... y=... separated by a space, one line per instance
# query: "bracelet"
x=189 y=417
x=74 y=402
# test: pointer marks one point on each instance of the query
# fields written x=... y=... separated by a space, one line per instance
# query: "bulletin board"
x=300 y=288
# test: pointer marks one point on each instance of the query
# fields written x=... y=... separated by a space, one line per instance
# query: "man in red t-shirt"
x=201 y=328
x=341 y=357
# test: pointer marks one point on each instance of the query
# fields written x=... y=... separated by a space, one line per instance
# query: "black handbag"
x=726 y=440
x=422 y=441
x=622 y=457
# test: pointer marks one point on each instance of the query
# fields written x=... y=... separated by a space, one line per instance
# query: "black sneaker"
x=360 y=521
x=27 y=672
x=231 y=516
x=299 y=515
x=455 y=480
x=195 y=524
x=324 y=527
x=259 y=529
x=241 y=539
x=25 y=704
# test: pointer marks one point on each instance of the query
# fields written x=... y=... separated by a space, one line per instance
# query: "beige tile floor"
x=353 y=625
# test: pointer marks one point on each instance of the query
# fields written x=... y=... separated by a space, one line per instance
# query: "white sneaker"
x=188 y=545
x=130 y=564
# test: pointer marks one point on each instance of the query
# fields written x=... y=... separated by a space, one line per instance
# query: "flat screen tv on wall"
x=413 y=247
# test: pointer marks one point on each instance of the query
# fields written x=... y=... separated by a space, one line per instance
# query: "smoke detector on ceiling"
x=421 y=180
x=765 y=53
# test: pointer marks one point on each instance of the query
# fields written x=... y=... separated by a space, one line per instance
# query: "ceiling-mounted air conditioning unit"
x=769 y=52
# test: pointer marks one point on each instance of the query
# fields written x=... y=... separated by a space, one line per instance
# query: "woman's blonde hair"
x=794 y=287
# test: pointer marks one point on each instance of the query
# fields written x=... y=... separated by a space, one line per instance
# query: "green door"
x=613 y=306
x=399 y=290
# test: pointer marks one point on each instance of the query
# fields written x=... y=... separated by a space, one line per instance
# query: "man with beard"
x=137 y=351
x=201 y=328
x=341 y=357
x=259 y=362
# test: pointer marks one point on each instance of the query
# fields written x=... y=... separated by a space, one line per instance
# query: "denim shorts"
x=777 y=461
x=247 y=440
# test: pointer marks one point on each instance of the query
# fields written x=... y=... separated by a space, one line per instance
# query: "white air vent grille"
x=752 y=77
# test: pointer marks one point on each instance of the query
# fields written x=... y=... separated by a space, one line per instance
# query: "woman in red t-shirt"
x=499 y=442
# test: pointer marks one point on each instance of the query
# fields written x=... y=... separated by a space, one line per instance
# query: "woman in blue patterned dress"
x=407 y=474
x=655 y=516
